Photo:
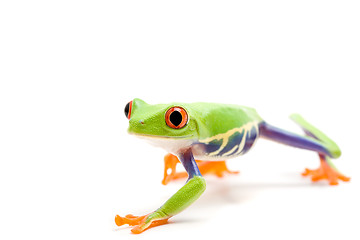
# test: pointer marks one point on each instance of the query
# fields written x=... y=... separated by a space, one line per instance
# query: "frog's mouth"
x=141 y=135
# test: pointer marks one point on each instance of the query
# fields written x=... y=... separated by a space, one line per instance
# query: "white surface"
x=67 y=69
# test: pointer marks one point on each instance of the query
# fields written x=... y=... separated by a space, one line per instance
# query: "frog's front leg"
x=315 y=141
x=183 y=198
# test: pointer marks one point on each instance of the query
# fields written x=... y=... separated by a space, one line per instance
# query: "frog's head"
x=161 y=120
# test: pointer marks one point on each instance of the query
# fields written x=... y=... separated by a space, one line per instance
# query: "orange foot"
x=217 y=168
x=141 y=223
x=325 y=171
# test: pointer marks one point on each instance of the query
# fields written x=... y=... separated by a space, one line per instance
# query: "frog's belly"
x=227 y=145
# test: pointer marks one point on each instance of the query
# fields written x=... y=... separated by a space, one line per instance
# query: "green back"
x=215 y=118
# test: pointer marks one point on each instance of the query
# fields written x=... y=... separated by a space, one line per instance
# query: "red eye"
x=176 y=117
x=128 y=109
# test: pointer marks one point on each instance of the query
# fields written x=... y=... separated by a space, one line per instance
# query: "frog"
x=202 y=136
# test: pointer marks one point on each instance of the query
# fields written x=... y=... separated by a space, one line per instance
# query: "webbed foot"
x=141 y=223
x=217 y=168
x=326 y=171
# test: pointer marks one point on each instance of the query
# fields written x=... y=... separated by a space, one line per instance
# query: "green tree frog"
x=212 y=133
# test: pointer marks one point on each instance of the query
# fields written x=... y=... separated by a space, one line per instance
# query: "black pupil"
x=127 y=107
x=175 y=118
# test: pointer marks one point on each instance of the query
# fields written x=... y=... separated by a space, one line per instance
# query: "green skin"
x=202 y=123
x=206 y=120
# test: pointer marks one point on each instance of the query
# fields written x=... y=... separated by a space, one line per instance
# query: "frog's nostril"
x=141 y=121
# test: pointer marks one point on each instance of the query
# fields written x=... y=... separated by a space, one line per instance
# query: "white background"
x=67 y=69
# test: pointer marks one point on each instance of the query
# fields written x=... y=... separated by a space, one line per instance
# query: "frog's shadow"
x=222 y=192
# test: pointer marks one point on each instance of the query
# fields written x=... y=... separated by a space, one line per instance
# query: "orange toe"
x=325 y=172
x=217 y=168
x=170 y=162
x=139 y=229
x=140 y=223
x=129 y=219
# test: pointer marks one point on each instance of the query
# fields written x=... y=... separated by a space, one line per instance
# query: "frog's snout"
x=136 y=125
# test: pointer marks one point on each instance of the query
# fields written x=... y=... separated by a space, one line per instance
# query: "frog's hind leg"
x=327 y=169
x=217 y=168
x=314 y=141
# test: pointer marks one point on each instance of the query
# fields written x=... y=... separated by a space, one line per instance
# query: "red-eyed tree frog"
x=212 y=133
